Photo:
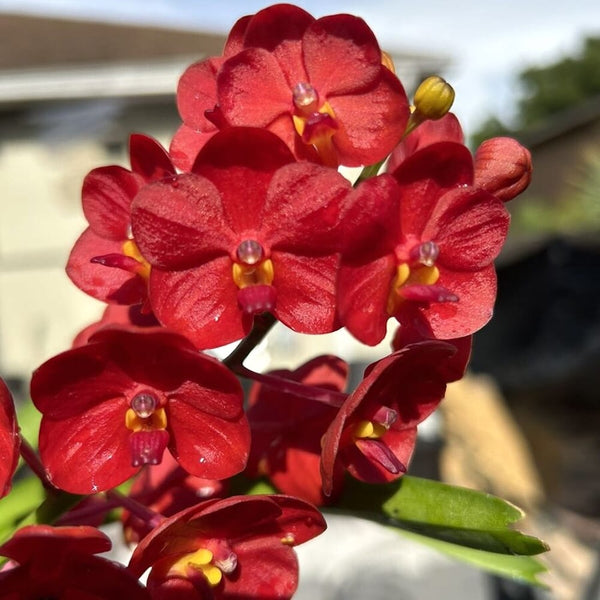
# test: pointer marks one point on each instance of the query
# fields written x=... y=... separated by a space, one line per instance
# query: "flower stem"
x=96 y=505
x=368 y=172
x=33 y=461
x=289 y=386
x=144 y=513
x=260 y=328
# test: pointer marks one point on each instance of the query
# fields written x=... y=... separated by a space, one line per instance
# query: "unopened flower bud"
x=433 y=98
x=502 y=167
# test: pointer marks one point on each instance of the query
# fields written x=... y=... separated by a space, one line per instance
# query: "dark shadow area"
x=543 y=349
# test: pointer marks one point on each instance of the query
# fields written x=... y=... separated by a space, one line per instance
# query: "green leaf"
x=28 y=504
x=466 y=524
x=26 y=495
x=368 y=172
x=242 y=485
x=261 y=487
x=522 y=568
x=54 y=506
x=427 y=501
x=29 y=419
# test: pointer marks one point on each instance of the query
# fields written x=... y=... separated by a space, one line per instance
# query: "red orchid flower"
x=446 y=129
x=115 y=404
x=319 y=84
x=9 y=439
x=425 y=249
x=287 y=428
x=419 y=332
x=248 y=231
x=374 y=433
x=166 y=489
x=197 y=98
x=105 y=261
x=239 y=547
x=128 y=316
x=60 y=562
x=502 y=165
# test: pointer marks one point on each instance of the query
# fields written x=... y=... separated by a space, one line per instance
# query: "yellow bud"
x=433 y=98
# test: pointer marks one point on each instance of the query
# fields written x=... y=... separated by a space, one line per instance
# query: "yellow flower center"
x=247 y=275
x=406 y=275
x=131 y=250
x=200 y=561
x=251 y=267
x=157 y=420
x=144 y=413
x=211 y=563
x=369 y=429
x=315 y=121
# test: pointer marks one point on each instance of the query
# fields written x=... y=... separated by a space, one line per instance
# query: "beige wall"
x=40 y=310
x=41 y=172
x=557 y=162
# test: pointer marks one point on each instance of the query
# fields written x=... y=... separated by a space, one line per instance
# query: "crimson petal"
x=376 y=450
x=148 y=158
x=9 y=439
x=106 y=198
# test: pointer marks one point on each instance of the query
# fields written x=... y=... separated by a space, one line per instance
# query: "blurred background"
x=77 y=76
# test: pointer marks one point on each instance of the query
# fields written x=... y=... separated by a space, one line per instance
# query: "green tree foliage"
x=549 y=90
x=578 y=213
x=491 y=127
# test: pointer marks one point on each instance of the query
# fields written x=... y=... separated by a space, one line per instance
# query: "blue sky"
x=489 y=42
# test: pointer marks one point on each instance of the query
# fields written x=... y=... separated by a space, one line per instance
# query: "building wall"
x=558 y=162
x=43 y=160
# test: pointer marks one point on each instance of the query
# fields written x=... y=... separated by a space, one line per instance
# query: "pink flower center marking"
x=368 y=436
x=138 y=265
x=131 y=250
x=251 y=267
x=415 y=279
x=306 y=98
x=253 y=275
x=315 y=122
x=147 y=422
x=210 y=563
x=377 y=425
x=143 y=404
x=250 y=252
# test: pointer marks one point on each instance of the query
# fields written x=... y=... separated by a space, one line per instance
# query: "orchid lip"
x=257 y=299
x=427 y=293
x=378 y=452
x=147 y=447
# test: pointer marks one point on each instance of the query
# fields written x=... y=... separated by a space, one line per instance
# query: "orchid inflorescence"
x=243 y=222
